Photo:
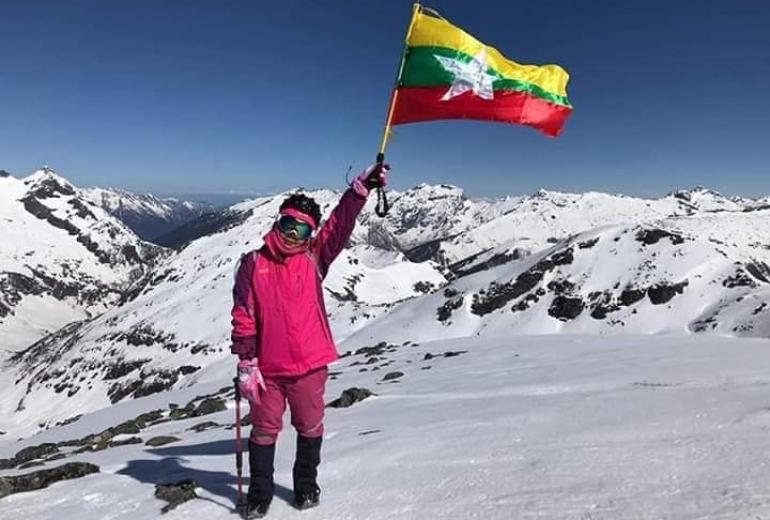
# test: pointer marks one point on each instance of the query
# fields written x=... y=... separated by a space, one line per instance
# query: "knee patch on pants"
x=262 y=438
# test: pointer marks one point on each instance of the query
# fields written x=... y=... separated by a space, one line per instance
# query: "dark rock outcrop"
x=126 y=442
x=565 y=308
x=176 y=493
x=203 y=426
x=444 y=312
x=349 y=397
x=493 y=261
x=739 y=279
x=29 y=454
x=390 y=376
x=630 y=296
x=497 y=295
x=649 y=237
x=376 y=350
x=209 y=406
x=44 y=478
x=759 y=270
x=662 y=293
x=161 y=440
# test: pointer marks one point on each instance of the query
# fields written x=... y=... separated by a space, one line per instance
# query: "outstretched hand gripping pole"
x=382 y=206
x=382 y=199
x=241 y=503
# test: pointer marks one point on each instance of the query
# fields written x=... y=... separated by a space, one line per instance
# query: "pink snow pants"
x=305 y=395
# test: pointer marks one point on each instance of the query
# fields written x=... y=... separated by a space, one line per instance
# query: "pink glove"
x=375 y=176
x=250 y=380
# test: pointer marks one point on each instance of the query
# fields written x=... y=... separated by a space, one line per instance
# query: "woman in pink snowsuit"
x=282 y=337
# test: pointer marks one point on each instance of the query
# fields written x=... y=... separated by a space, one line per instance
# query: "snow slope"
x=61 y=257
x=707 y=272
x=556 y=427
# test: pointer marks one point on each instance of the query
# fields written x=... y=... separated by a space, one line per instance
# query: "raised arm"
x=336 y=231
x=244 y=332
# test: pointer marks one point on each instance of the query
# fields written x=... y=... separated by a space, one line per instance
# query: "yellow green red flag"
x=448 y=74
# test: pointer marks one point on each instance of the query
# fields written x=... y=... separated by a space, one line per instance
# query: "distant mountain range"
x=147 y=215
x=440 y=265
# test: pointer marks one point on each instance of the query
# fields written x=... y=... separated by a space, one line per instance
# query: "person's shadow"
x=170 y=469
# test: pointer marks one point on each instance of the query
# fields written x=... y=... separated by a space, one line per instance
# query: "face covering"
x=280 y=248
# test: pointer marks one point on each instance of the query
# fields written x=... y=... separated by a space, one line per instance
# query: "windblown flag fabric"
x=449 y=74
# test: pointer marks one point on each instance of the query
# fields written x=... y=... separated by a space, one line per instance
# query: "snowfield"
x=556 y=427
x=579 y=356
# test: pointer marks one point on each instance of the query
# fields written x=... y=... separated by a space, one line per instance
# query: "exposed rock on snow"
x=349 y=397
x=209 y=406
x=203 y=426
x=29 y=454
x=44 y=478
x=175 y=494
x=390 y=376
x=161 y=440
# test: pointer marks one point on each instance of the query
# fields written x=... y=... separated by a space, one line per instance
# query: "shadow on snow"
x=171 y=469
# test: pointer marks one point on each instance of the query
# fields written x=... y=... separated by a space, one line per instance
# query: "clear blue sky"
x=202 y=96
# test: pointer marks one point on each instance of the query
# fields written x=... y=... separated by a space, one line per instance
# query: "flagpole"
x=382 y=200
x=416 y=7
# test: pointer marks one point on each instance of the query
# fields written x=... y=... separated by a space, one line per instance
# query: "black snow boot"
x=261 y=486
x=306 y=490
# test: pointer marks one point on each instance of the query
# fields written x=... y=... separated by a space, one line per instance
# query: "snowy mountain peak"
x=61 y=257
x=434 y=190
x=706 y=199
x=44 y=174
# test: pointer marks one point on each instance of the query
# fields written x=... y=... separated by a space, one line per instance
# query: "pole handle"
x=382 y=207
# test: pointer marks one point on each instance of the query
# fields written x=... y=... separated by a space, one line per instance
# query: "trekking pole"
x=241 y=504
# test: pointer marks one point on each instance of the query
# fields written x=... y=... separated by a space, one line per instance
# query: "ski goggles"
x=294 y=228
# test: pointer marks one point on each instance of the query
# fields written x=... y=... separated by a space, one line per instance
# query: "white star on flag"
x=471 y=75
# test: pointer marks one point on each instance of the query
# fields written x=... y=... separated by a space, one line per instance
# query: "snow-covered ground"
x=642 y=406
x=552 y=427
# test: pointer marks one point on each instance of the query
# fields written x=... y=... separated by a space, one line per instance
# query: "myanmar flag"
x=448 y=74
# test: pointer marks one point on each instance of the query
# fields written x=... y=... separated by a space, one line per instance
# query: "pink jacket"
x=278 y=313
